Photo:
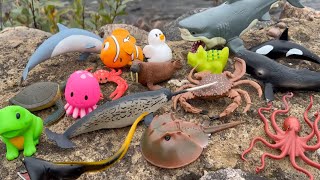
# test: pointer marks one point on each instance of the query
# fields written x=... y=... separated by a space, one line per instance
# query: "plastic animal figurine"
x=278 y=77
x=19 y=130
x=151 y=73
x=157 y=50
x=82 y=94
x=39 y=169
x=225 y=23
x=39 y=96
x=104 y=76
x=282 y=47
x=117 y=114
x=225 y=87
x=120 y=49
x=67 y=40
x=288 y=139
x=212 y=60
x=172 y=143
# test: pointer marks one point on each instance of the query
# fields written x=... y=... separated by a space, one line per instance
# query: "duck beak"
x=162 y=37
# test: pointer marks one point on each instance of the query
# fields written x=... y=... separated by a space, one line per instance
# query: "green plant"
x=45 y=15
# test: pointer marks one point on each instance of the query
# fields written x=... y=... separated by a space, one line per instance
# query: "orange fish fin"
x=120 y=32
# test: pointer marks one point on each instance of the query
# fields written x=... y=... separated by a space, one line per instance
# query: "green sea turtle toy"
x=39 y=96
x=19 y=130
x=212 y=60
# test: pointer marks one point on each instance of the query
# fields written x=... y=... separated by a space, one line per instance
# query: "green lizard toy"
x=212 y=60
x=19 y=130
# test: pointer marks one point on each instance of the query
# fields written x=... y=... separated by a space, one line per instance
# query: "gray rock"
x=230 y=174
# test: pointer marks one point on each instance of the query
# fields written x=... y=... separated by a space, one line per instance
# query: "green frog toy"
x=19 y=130
x=212 y=60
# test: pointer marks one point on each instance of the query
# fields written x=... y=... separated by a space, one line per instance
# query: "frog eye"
x=18 y=115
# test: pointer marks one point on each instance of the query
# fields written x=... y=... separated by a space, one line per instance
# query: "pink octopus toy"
x=82 y=93
x=288 y=140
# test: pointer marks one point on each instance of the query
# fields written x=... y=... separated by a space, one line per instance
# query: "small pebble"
x=274 y=32
x=281 y=25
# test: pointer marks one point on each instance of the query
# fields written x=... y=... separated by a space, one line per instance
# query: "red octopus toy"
x=288 y=140
x=104 y=76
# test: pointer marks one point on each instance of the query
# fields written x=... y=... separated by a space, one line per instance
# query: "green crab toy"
x=19 y=130
x=212 y=60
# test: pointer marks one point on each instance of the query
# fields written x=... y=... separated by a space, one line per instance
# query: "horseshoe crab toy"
x=117 y=114
x=212 y=60
x=82 y=94
x=172 y=143
x=39 y=169
x=19 y=130
x=39 y=96
x=157 y=50
x=287 y=139
x=224 y=88
x=104 y=76
x=150 y=73
x=120 y=49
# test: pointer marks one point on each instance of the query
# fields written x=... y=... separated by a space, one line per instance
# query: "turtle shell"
x=172 y=144
x=37 y=96
x=222 y=86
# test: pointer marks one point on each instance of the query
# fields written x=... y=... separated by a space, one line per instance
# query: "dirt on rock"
x=224 y=149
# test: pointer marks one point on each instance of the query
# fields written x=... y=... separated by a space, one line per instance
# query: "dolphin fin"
x=296 y=3
x=62 y=27
x=84 y=56
x=285 y=35
x=265 y=17
x=61 y=140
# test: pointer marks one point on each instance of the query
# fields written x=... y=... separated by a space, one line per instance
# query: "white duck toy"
x=157 y=50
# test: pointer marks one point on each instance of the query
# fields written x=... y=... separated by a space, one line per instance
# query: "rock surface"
x=224 y=149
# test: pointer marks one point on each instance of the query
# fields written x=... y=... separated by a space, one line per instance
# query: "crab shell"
x=170 y=143
x=222 y=86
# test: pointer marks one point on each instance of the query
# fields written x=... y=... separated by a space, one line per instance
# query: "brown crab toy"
x=151 y=73
x=288 y=139
x=172 y=143
x=223 y=88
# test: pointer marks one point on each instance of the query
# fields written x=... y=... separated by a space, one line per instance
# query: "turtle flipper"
x=54 y=117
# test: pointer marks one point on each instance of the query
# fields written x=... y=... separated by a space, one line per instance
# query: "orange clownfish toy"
x=120 y=49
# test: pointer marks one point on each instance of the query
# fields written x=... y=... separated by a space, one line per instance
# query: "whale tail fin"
x=296 y=3
x=61 y=140
x=39 y=169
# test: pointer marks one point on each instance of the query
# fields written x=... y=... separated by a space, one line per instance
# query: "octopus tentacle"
x=254 y=141
x=305 y=115
x=308 y=161
x=265 y=121
x=317 y=132
x=264 y=155
x=282 y=111
x=295 y=165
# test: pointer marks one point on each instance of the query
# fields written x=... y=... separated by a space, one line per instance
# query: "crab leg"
x=177 y=97
x=252 y=83
x=246 y=97
x=190 y=76
x=186 y=106
x=240 y=69
x=233 y=94
x=122 y=86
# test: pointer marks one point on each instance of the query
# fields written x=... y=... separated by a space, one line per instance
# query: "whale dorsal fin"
x=284 y=36
x=62 y=27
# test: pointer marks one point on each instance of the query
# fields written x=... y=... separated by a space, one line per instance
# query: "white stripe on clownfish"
x=137 y=51
x=117 y=46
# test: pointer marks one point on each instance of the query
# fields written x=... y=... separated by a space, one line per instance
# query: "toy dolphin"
x=117 y=114
x=282 y=47
x=225 y=23
x=67 y=40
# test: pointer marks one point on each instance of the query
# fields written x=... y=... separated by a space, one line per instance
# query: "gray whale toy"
x=67 y=40
x=225 y=23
